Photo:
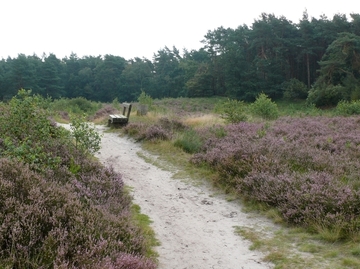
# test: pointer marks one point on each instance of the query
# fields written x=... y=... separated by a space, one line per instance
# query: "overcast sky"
x=136 y=28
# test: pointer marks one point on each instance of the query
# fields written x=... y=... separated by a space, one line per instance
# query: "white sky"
x=136 y=28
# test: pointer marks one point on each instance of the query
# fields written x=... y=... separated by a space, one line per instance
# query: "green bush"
x=145 y=99
x=326 y=95
x=264 y=107
x=78 y=105
x=346 y=108
x=294 y=89
x=85 y=135
x=27 y=133
x=233 y=111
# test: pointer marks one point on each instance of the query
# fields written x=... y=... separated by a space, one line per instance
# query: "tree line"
x=317 y=59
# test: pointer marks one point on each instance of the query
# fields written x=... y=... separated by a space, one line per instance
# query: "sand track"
x=194 y=225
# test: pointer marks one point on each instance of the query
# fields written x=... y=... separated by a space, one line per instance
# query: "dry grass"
x=203 y=120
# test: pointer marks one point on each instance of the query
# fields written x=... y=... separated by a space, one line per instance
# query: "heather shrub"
x=312 y=199
x=217 y=130
x=58 y=207
x=172 y=125
x=136 y=130
x=163 y=129
x=306 y=167
x=105 y=111
x=45 y=224
x=263 y=107
x=156 y=132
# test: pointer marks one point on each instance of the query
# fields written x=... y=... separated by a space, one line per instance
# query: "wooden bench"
x=120 y=119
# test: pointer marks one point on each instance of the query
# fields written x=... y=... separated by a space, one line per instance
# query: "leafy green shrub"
x=145 y=103
x=232 y=111
x=28 y=134
x=264 y=107
x=189 y=141
x=86 y=137
x=346 y=108
x=294 y=89
x=326 y=95
x=78 y=105
x=116 y=104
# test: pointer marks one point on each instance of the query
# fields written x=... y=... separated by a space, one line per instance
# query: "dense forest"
x=315 y=59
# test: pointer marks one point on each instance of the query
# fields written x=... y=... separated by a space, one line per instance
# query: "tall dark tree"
x=107 y=78
x=341 y=62
x=355 y=24
x=307 y=57
x=197 y=74
x=52 y=77
x=168 y=75
x=72 y=68
x=136 y=77
x=339 y=77
x=24 y=73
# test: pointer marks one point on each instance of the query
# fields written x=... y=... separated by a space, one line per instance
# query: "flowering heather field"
x=59 y=208
x=308 y=168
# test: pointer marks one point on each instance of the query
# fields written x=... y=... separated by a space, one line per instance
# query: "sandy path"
x=195 y=227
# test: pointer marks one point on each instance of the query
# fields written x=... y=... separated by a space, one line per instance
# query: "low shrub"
x=45 y=224
x=264 y=107
x=58 y=207
x=156 y=132
x=78 y=105
x=28 y=134
x=306 y=167
x=172 y=125
x=326 y=95
x=313 y=199
x=85 y=136
x=136 y=130
x=294 y=89
x=346 y=108
x=104 y=112
x=232 y=111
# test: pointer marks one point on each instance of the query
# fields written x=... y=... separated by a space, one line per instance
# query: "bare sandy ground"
x=195 y=226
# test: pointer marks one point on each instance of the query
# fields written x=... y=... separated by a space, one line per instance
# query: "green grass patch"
x=144 y=222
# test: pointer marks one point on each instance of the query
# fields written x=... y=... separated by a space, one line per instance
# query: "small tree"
x=145 y=103
x=233 y=111
x=264 y=107
x=85 y=135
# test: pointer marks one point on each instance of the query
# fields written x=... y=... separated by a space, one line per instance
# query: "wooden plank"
x=121 y=119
